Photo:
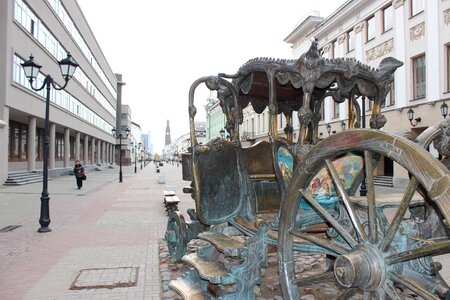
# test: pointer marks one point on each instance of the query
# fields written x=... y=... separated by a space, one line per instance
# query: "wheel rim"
x=367 y=253
x=176 y=235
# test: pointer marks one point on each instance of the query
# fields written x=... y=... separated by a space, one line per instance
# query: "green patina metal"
x=304 y=186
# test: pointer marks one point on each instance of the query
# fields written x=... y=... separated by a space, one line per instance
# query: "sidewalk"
x=104 y=239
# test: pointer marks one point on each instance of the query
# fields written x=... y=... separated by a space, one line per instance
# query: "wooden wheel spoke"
x=334 y=223
x=413 y=286
x=340 y=188
x=339 y=250
x=371 y=202
x=389 y=288
x=347 y=294
x=436 y=248
x=400 y=213
x=319 y=278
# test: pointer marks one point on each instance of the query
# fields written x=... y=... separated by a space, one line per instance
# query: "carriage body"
x=279 y=191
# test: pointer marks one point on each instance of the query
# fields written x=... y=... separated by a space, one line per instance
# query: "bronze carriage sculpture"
x=300 y=196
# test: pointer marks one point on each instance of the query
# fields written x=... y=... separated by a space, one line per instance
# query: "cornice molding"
x=417 y=32
x=380 y=50
x=398 y=3
x=447 y=16
x=359 y=27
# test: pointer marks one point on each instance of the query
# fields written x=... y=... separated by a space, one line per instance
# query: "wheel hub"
x=362 y=268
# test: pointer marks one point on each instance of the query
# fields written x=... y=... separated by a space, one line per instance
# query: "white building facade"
x=81 y=116
x=416 y=32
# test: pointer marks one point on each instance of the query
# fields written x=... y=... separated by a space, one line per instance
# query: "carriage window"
x=419 y=77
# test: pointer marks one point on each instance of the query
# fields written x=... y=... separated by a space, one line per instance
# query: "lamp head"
x=328 y=128
x=444 y=109
x=343 y=126
x=31 y=68
x=68 y=66
x=410 y=114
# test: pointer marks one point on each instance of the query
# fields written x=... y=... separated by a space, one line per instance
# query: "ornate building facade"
x=416 y=32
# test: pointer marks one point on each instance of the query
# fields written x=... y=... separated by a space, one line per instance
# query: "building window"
x=417 y=6
x=419 y=77
x=335 y=109
x=350 y=41
x=334 y=52
x=390 y=96
x=448 y=68
x=388 y=18
x=59 y=147
x=17 y=141
x=322 y=111
x=370 y=28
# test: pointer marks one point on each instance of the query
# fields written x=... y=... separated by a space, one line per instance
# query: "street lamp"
x=67 y=66
x=120 y=137
x=142 y=151
x=135 y=155
x=328 y=129
x=444 y=109
x=222 y=133
x=343 y=126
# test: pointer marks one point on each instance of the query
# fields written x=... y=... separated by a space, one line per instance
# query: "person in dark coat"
x=78 y=170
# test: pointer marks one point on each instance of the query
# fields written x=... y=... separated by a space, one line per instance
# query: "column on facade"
x=104 y=156
x=4 y=143
x=66 y=147
x=341 y=53
x=400 y=52
x=86 y=150
x=99 y=152
x=359 y=54
x=77 y=145
x=93 y=150
x=31 y=143
x=52 y=146
x=108 y=152
x=433 y=51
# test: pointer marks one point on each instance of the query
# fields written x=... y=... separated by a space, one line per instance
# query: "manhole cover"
x=107 y=278
x=9 y=228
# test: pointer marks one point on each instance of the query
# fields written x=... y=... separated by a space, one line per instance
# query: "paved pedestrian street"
x=105 y=241
x=104 y=238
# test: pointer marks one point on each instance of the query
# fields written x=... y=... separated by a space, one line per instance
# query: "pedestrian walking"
x=78 y=170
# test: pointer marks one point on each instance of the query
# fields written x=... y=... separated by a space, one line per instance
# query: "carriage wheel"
x=372 y=258
x=176 y=235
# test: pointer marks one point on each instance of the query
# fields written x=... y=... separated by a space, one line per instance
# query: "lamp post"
x=67 y=66
x=363 y=188
x=120 y=137
x=142 y=151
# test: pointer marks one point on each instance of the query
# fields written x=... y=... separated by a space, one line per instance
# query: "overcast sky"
x=161 y=47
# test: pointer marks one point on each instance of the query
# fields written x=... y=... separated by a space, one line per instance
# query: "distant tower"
x=168 y=140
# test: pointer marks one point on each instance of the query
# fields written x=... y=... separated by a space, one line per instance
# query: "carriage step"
x=188 y=289
x=223 y=243
x=209 y=270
